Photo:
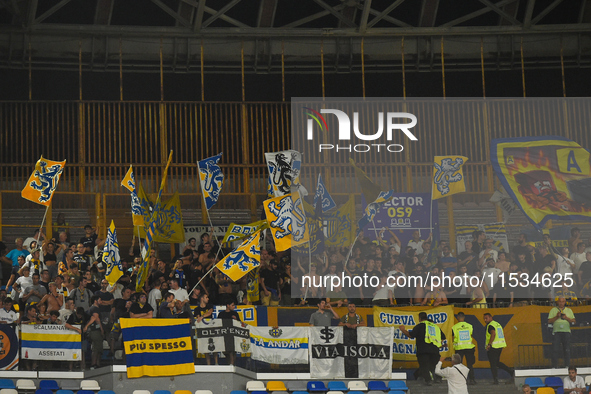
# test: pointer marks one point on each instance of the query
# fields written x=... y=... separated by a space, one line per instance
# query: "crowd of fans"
x=57 y=281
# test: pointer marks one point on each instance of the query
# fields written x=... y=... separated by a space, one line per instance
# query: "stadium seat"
x=357 y=385
x=588 y=380
x=335 y=392
x=85 y=392
x=49 y=385
x=92 y=385
x=112 y=392
x=62 y=391
x=337 y=385
x=142 y=392
x=297 y=385
x=316 y=386
x=545 y=390
x=254 y=385
x=43 y=391
x=553 y=381
x=8 y=391
x=235 y=392
x=560 y=390
x=161 y=392
x=276 y=385
x=534 y=383
x=183 y=392
x=356 y=392
x=258 y=392
x=375 y=392
x=299 y=392
x=7 y=384
x=377 y=385
x=397 y=385
x=203 y=392
x=396 y=392
x=25 y=385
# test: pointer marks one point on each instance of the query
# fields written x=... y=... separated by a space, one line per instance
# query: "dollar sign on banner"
x=326 y=334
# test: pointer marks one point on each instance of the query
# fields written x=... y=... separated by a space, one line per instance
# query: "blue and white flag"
x=211 y=178
x=372 y=209
x=284 y=173
x=323 y=197
x=111 y=256
x=128 y=182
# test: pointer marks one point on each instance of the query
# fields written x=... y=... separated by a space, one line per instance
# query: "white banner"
x=50 y=342
x=227 y=335
x=279 y=345
x=495 y=231
x=342 y=353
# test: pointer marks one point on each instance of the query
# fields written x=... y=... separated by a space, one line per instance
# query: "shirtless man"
x=53 y=298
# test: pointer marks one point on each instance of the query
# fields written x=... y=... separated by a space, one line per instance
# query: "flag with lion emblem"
x=287 y=221
x=243 y=259
x=43 y=181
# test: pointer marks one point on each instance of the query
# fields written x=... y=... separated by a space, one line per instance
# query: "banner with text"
x=50 y=342
x=222 y=335
x=279 y=345
x=404 y=347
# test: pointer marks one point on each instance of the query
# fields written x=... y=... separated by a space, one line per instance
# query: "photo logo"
x=344 y=130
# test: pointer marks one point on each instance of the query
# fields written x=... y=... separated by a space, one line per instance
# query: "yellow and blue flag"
x=111 y=256
x=169 y=224
x=157 y=347
x=370 y=190
x=43 y=181
x=287 y=221
x=243 y=259
x=322 y=199
x=372 y=209
x=448 y=177
x=547 y=177
x=157 y=218
x=236 y=232
x=128 y=182
x=211 y=179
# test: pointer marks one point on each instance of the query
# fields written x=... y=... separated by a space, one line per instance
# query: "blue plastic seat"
x=49 y=385
x=377 y=385
x=112 y=392
x=7 y=384
x=258 y=392
x=553 y=381
x=337 y=385
x=168 y=392
x=62 y=391
x=85 y=392
x=356 y=392
x=232 y=392
x=534 y=383
x=316 y=386
x=396 y=392
x=397 y=385
x=43 y=391
x=300 y=392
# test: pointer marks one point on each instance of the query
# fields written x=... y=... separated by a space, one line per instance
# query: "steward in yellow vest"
x=495 y=342
x=428 y=339
x=463 y=346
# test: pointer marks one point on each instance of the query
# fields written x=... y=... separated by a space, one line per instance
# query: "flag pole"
x=42 y=223
x=431 y=212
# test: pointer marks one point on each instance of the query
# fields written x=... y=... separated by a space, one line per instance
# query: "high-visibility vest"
x=432 y=333
x=462 y=336
x=499 y=341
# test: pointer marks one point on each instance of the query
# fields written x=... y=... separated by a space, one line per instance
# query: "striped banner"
x=50 y=342
x=157 y=347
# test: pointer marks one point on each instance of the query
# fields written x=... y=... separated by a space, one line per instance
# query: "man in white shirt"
x=155 y=295
x=489 y=251
x=574 y=383
x=179 y=293
x=578 y=256
x=417 y=243
x=564 y=265
x=491 y=273
x=8 y=316
x=456 y=375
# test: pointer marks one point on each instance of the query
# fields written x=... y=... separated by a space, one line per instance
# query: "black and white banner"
x=340 y=352
x=227 y=335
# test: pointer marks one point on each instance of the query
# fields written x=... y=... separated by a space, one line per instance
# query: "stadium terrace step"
x=482 y=387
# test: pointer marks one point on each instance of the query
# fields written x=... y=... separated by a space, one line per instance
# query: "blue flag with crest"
x=211 y=179
x=322 y=197
x=372 y=209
